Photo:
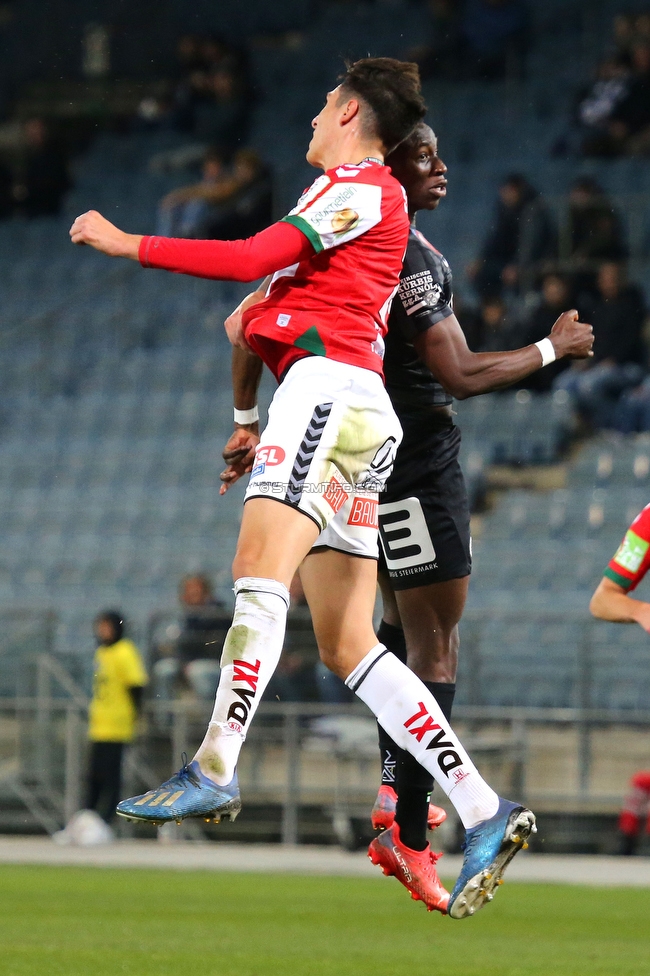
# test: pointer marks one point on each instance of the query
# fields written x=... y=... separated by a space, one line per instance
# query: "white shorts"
x=328 y=449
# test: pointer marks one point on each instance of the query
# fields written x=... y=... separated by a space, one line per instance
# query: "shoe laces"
x=185 y=776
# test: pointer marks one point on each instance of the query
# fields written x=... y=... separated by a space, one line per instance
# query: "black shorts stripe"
x=357 y=684
x=306 y=452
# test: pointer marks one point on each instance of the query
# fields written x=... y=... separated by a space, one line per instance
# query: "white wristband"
x=547 y=350
x=247 y=416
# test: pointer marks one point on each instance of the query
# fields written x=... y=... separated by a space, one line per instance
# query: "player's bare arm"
x=240 y=449
x=611 y=602
x=444 y=350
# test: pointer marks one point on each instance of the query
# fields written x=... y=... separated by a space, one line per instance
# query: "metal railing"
x=301 y=755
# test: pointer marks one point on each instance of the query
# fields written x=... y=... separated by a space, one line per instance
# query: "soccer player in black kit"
x=424 y=513
x=424 y=518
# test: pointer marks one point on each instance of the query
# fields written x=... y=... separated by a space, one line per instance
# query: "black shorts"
x=424 y=512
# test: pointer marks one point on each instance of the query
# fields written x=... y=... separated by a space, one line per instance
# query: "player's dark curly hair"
x=391 y=90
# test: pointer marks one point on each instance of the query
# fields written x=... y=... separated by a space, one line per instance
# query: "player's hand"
x=234 y=325
x=642 y=615
x=571 y=337
x=93 y=229
x=239 y=453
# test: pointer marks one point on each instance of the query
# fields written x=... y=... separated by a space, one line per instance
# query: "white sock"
x=412 y=717
x=250 y=655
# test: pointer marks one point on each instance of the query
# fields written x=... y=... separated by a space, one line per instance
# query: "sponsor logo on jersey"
x=418 y=291
x=257 y=470
x=448 y=759
x=336 y=495
x=248 y=673
x=269 y=455
x=631 y=552
x=318 y=217
x=364 y=513
x=344 y=221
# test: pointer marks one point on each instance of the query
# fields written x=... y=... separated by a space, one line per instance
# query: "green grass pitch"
x=96 y=922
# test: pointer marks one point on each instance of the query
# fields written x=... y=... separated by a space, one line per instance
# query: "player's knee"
x=339 y=661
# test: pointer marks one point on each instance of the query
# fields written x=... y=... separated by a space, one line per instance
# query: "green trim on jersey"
x=305 y=227
x=312 y=342
x=616 y=578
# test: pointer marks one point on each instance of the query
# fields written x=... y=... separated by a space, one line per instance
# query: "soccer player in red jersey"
x=623 y=574
x=324 y=456
x=625 y=570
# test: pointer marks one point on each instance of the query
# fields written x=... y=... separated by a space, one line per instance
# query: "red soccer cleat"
x=383 y=812
x=416 y=870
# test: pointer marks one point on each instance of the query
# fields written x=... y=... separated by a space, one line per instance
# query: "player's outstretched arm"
x=611 y=602
x=444 y=350
x=93 y=229
x=279 y=246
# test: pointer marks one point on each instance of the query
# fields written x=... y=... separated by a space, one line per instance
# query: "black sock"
x=415 y=783
x=393 y=639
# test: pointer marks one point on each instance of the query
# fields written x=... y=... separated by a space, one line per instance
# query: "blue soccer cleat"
x=187 y=794
x=489 y=849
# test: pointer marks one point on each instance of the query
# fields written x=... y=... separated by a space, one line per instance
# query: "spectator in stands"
x=595 y=232
x=183 y=212
x=617 y=315
x=196 y=651
x=250 y=209
x=496 y=331
x=494 y=34
x=43 y=176
x=629 y=128
x=118 y=686
x=225 y=204
x=521 y=240
x=556 y=296
x=213 y=98
x=595 y=109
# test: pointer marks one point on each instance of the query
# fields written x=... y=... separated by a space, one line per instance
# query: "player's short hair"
x=391 y=91
x=414 y=139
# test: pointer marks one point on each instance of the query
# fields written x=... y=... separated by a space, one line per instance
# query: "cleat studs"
x=178 y=823
x=471 y=910
x=524 y=846
x=515 y=838
x=533 y=829
x=500 y=881
x=487 y=876
x=489 y=896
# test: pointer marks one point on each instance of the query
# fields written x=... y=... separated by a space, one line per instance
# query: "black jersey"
x=423 y=299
